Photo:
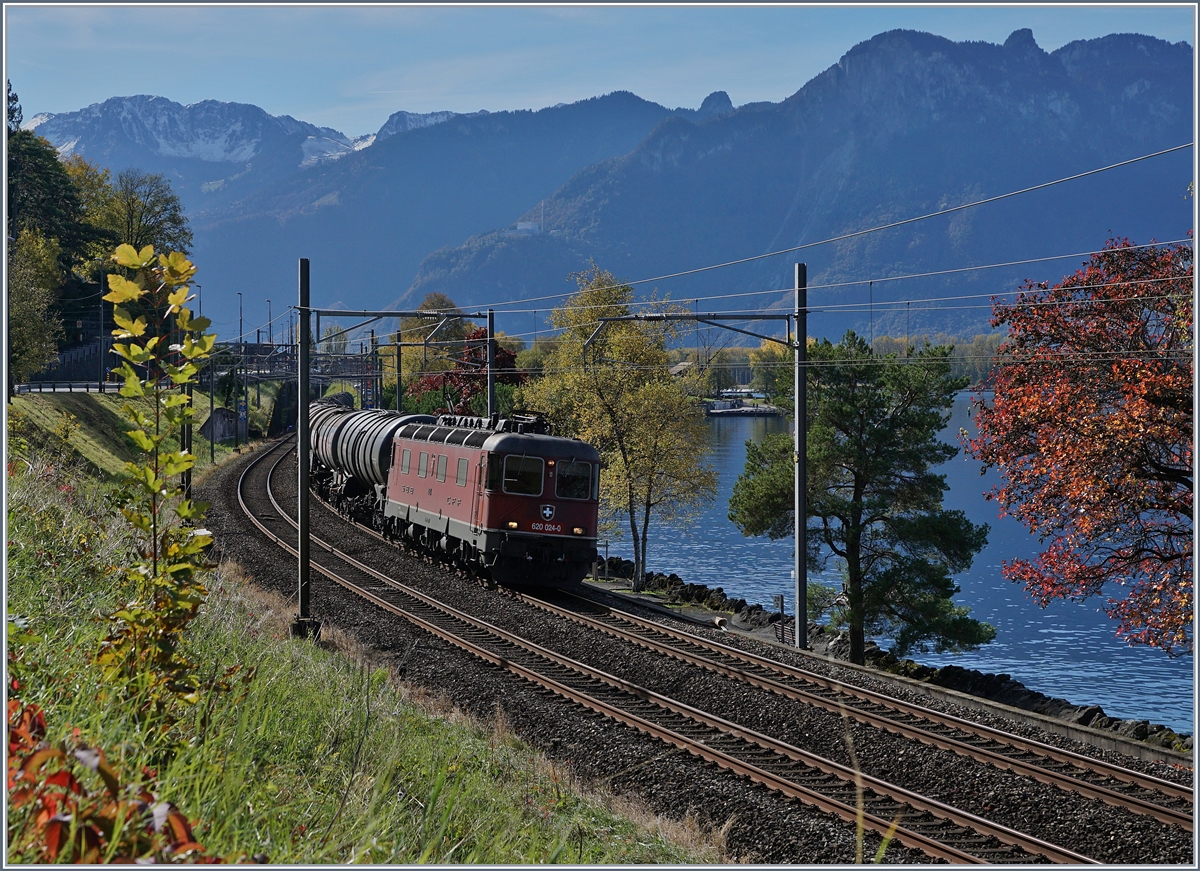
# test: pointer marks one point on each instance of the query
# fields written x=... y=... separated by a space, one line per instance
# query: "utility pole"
x=491 y=362
x=246 y=398
x=237 y=416
x=304 y=625
x=801 y=445
x=399 y=374
x=237 y=387
x=100 y=335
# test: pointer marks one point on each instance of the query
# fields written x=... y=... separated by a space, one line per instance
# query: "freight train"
x=500 y=497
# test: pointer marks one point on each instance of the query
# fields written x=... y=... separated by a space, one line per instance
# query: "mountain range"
x=904 y=124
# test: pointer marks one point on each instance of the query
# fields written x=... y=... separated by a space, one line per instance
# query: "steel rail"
x=1078 y=760
x=1136 y=778
x=642 y=695
x=1114 y=798
x=1117 y=799
x=927 y=845
x=1089 y=764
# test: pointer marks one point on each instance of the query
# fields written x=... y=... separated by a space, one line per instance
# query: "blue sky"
x=350 y=67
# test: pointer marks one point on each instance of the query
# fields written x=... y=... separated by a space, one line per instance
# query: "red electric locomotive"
x=502 y=495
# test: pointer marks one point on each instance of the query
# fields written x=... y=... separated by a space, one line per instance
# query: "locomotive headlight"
x=512 y=524
x=550 y=463
x=578 y=530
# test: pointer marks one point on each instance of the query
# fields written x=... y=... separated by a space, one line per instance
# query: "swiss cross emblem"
x=547 y=512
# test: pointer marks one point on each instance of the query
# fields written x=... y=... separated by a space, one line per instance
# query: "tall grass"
x=320 y=754
x=97 y=436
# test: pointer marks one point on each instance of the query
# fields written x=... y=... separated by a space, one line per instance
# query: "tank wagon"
x=501 y=496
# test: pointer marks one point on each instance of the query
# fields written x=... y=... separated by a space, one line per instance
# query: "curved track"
x=916 y=821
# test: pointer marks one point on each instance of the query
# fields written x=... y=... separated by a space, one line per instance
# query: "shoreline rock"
x=835 y=644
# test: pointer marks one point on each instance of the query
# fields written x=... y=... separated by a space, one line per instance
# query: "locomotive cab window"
x=523 y=475
x=405 y=459
x=422 y=469
x=461 y=478
x=574 y=480
x=441 y=467
x=495 y=472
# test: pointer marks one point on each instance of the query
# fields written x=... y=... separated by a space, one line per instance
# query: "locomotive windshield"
x=523 y=475
x=574 y=480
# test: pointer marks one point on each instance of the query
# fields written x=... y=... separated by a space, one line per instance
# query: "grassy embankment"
x=327 y=757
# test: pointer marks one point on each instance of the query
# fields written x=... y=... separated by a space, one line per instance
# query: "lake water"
x=1067 y=650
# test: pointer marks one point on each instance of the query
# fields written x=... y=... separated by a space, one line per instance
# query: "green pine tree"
x=874 y=504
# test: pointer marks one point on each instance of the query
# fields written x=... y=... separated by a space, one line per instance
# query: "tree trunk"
x=639 y=557
x=857 y=639
x=854 y=576
x=645 y=537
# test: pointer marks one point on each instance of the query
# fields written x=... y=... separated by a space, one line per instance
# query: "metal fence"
x=785 y=631
x=68 y=387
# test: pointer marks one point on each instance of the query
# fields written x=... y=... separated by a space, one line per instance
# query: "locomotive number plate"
x=538 y=526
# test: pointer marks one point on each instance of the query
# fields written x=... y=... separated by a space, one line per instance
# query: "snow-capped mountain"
x=213 y=152
x=210 y=131
x=402 y=122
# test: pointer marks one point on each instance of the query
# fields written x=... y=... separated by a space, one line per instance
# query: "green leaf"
x=139 y=354
x=191 y=322
x=129 y=327
x=126 y=256
x=192 y=510
x=198 y=348
x=142 y=440
x=121 y=289
x=177 y=464
x=178 y=268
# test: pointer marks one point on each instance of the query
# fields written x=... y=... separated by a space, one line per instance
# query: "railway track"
x=939 y=830
x=935 y=828
x=1140 y=793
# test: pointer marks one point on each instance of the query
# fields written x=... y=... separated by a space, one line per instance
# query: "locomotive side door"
x=477 y=494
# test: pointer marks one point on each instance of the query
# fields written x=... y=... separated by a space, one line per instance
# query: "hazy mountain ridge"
x=905 y=123
x=415 y=192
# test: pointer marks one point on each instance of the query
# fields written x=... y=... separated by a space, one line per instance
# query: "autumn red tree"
x=1090 y=428
x=468 y=379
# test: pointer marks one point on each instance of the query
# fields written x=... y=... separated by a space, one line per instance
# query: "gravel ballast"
x=766 y=828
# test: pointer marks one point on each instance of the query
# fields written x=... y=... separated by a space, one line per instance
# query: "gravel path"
x=766 y=828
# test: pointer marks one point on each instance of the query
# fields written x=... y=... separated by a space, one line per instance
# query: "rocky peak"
x=402 y=122
x=715 y=104
x=1021 y=41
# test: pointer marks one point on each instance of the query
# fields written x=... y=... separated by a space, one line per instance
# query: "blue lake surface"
x=1068 y=649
